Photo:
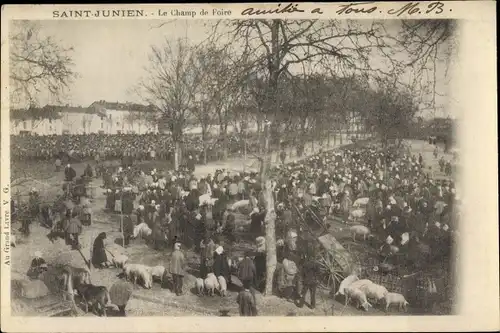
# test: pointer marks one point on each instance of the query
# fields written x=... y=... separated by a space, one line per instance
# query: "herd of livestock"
x=387 y=197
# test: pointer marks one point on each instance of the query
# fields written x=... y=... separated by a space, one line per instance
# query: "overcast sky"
x=110 y=56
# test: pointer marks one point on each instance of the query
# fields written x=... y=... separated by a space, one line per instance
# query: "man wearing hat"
x=73 y=230
x=190 y=164
x=177 y=266
x=247 y=272
x=207 y=249
x=34 y=203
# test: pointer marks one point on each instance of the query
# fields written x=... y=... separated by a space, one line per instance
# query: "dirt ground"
x=160 y=301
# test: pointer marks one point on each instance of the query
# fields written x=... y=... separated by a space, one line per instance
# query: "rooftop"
x=124 y=106
x=98 y=107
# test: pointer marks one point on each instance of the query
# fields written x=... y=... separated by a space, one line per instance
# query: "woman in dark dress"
x=99 y=258
x=221 y=266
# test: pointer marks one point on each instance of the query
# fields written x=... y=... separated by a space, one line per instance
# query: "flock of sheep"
x=360 y=291
x=146 y=274
x=211 y=284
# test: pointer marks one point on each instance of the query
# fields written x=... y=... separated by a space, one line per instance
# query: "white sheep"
x=374 y=291
x=157 y=272
x=211 y=284
x=360 y=230
x=357 y=214
x=142 y=230
x=360 y=283
x=356 y=294
x=119 y=261
x=133 y=271
x=240 y=204
x=222 y=286
x=346 y=283
x=360 y=202
x=199 y=286
x=395 y=298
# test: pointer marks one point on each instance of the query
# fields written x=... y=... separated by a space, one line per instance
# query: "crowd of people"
x=412 y=216
x=110 y=147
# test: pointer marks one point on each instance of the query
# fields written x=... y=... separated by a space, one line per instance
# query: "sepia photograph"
x=234 y=167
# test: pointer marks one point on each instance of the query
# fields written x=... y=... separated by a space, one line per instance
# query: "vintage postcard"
x=314 y=166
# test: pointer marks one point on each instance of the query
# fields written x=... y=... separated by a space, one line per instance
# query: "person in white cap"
x=221 y=265
x=37 y=267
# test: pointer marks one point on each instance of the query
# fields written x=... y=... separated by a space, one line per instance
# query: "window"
x=102 y=125
x=50 y=121
x=117 y=123
x=25 y=124
x=102 y=118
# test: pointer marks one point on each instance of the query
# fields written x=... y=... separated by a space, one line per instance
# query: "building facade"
x=100 y=117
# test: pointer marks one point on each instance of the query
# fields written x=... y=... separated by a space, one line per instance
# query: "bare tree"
x=37 y=64
x=429 y=45
x=391 y=111
x=277 y=46
x=147 y=119
x=170 y=84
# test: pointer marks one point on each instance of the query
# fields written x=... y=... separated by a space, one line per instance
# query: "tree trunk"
x=270 y=218
x=204 y=139
x=270 y=222
x=244 y=152
x=176 y=155
x=226 y=144
x=259 y=134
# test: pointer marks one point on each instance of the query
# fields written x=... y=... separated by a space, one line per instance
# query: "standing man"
x=283 y=156
x=73 y=230
x=191 y=164
x=128 y=229
x=345 y=206
x=246 y=301
x=58 y=164
x=177 y=264
x=207 y=248
x=310 y=271
x=69 y=173
x=246 y=270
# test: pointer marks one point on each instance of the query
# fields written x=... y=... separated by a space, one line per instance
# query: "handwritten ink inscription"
x=288 y=9
x=436 y=7
x=357 y=8
x=411 y=8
